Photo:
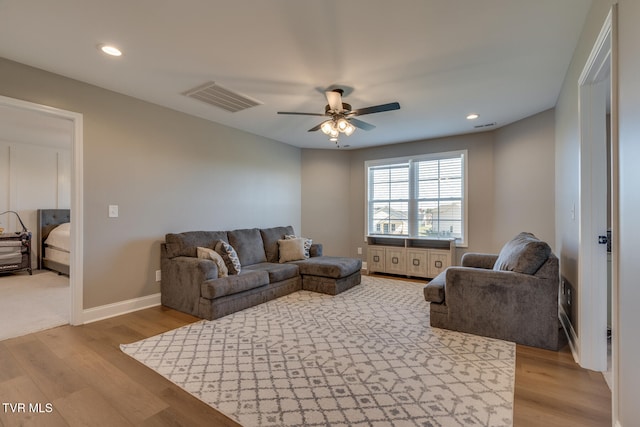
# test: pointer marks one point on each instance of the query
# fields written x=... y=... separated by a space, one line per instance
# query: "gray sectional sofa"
x=192 y=285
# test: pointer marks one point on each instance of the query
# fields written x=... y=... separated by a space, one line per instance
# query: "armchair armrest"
x=479 y=260
x=503 y=304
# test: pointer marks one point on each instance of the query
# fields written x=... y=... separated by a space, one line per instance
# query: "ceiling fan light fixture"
x=342 y=124
x=349 y=129
x=327 y=127
x=334 y=133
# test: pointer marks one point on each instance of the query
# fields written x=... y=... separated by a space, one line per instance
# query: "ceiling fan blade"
x=361 y=125
x=302 y=114
x=375 y=109
x=315 y=128
x=334 y=98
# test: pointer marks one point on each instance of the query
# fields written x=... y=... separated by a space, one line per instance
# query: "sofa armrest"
x=181 y=282
x=479 y=260
x=315 y=250
x=504 y=304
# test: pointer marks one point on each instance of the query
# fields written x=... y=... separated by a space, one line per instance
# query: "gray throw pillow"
x=525 y=253
x=229 y=256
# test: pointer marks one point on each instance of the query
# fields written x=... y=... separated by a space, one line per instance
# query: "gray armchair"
x=511 y=296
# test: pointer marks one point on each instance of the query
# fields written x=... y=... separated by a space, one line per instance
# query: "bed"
x=54 y=243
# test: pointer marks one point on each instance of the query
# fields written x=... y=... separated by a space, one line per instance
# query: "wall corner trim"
x=118 y=308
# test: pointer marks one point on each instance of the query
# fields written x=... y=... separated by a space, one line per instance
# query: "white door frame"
x=598 y=76
x=594 y=83
x=75 y=268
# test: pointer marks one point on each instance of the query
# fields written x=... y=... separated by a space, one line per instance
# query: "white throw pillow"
x=291 y=249
x=307 y=243
x=207 y=253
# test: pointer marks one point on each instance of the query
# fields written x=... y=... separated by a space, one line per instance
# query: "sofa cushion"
x=248 y=245
x=270 y=237
x=328 y=266
x=217 y=288
x=434 y=290
x=291 y=250
x=206 y=253
x=186 y=244
x=525 y=253
x=229 y=256
x=277 y=272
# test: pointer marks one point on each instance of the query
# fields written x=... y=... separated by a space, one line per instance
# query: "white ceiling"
x=502 y=59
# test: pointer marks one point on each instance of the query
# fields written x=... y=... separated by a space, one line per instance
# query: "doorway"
x=74 y=121
x=597 y=272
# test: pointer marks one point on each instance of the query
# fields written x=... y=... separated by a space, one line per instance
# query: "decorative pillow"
x=229 y=256
x=291 y=249
x=525 y=253
x=207 y=253
x=307 y=243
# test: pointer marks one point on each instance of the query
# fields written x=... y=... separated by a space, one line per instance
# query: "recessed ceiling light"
x=110 y=50
x=473 y=116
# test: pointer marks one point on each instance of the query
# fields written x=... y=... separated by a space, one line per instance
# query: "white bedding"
x=60 y=237
x=57 y=255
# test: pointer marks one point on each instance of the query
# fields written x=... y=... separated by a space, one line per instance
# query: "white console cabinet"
x=406 y=256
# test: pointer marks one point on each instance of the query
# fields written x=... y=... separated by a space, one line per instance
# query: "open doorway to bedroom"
x=37 y=156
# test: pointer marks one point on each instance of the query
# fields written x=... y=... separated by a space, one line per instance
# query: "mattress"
x=59 y=237
x=57 y=255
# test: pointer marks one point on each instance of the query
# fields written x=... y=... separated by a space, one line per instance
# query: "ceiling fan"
x=342 y=117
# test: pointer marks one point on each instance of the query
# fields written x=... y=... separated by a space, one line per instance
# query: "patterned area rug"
x=366 y=357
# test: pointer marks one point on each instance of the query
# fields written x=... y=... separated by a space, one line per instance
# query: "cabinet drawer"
x=376 y=259
x=395 y=260
x=417 y=263
x=438 y=262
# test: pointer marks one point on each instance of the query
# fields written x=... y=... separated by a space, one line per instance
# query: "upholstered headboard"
x=48 y=219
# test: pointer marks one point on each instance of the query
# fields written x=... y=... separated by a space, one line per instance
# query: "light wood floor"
x=86 y=379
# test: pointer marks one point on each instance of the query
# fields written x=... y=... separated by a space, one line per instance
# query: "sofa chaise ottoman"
x=257 y=269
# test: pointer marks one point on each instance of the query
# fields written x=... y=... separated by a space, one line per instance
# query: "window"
x=422 y=196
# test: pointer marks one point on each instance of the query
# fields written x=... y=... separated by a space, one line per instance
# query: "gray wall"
x=326 y=203
x=628 y=382
x=515 y=161
x=524 y=179
x=167 y=171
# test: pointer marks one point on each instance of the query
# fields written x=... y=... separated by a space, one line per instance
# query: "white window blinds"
x=417 y=197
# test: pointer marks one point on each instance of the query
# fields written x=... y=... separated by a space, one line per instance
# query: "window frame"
x=414 y=197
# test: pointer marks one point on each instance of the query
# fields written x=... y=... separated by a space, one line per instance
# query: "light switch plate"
x=113 y=211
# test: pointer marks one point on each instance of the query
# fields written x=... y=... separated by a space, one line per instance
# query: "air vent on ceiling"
x=486 y=125
x=216 y=95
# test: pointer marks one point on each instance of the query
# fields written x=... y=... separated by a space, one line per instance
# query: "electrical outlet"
x=113 y=211
x=158 y=275
x=359 y=251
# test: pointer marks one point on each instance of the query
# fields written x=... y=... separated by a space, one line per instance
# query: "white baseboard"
x=571 y=334
x=116 y=309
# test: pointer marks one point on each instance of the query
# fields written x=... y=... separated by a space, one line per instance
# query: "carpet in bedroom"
x=31 y=303
x=364 y=357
